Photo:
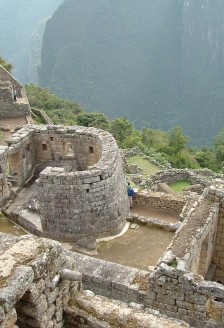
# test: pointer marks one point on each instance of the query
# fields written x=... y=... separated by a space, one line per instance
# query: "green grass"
x=179 y=185
x=147 y=167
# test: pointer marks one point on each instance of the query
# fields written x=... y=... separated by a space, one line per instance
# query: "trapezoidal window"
x=68 y=150
x=91 y=150
x=44 y=146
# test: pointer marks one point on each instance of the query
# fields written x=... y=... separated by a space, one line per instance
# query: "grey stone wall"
x=6 y=91
x=11 y=109
x=158 y=200
x=34 y=285
x=83 y=190
x=92 y=202
x=175 y=287
x=203 y=177
x=5 y=76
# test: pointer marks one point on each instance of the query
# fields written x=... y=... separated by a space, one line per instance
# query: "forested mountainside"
x=22 y=24
x=158 y=62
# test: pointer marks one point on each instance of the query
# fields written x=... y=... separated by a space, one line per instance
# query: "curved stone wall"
x=90 y=200
x=81 y=189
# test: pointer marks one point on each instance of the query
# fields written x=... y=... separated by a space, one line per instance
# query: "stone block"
x=171 y=308
x=165 y=299
x=199 y=308
x=180 y=296
x=17 y=286
x=197 y=299
x=51 y=295
x=151 y=295
x=182 y=311
x=185 y=305
x=10 y=319
x=34 y=291
x=33 y=310
x=2 y=314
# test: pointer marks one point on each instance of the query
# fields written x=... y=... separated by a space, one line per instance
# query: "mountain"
x=22 y=23
x=159 y=63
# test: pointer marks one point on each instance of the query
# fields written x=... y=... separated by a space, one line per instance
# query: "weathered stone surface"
x=16 y=287
x=10 y=319
x=34 y=310
x=71 y=275
x=117 y=314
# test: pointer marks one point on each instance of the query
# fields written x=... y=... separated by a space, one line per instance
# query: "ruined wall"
x=186 y=296
x=5 y=76
x=218 y=256
x=82 y=191
x=21 y=156
x=201 y=176
x=84 y=203
x=175 y=286
x=157 y=200
x=34 y=285
x=6 y=92
x=4 y=186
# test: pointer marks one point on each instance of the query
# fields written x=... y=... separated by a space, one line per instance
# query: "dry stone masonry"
x=80 y=193
x=81 y=190
x=186 y=283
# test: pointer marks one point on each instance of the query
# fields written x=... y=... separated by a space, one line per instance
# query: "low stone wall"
x=157 y=200
x=186 y=296
x=175 y=286
x=203 y=177
x=112 y=280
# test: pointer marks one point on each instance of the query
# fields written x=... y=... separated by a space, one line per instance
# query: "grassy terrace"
x=179 y=185
x=147 y=167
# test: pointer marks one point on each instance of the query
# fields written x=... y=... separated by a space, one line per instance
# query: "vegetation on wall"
x=6 y=65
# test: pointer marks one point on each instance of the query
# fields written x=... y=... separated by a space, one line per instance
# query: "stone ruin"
x=77 y=171
x=80 y=191
x=43 y=285
x=13 y=115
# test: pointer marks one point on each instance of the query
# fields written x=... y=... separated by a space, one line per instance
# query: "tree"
x=154 y=138
x=7 y=66
x=121 y=129
x=98 y=120
x=219 y=147
x=177 y=140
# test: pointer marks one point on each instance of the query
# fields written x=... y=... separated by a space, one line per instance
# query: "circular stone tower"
x=86 y=195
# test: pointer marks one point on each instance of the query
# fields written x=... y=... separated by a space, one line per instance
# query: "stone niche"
x=81 y=187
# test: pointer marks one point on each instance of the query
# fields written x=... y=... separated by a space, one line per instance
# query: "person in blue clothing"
x=15 y=95
x=130 y=192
